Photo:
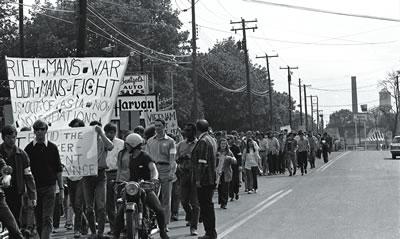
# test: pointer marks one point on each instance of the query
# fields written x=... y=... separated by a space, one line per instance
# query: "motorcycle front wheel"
x=131 y=225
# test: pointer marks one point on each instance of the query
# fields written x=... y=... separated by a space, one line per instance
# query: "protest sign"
x=58 y=90
x=77 y=147
x=139 y=103
x=169 y=116
x=134 y=84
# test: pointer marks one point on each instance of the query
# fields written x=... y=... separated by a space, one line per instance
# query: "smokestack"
x=354 y=94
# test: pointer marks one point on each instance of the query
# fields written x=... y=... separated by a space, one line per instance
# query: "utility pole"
x=301 y=108
x=82 y=28
x=322 y=119
x=305 y=107
x=195 y=110
x=317 y=114
x=288 y=68
x=246 y=59
x=312 y=112
x=271 y=120
x=21 y=28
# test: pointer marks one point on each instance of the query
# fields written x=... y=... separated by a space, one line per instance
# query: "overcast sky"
x=347 y=46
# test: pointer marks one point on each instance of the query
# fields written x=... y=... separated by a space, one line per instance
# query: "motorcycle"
x=139 y=220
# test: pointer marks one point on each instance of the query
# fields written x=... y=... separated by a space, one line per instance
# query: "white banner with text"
x=58 y=90
x=77 y=147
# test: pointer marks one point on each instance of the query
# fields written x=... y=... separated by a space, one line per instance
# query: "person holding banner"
x=162 y=149
x=94 y=187
x=111 y=172
x=75 y=185
x=47 y=171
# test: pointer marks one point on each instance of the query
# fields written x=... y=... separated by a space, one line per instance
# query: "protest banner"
x=77 y=147
x=169 y=116
x=134 y=84
x=58 y=90
x=145 y=103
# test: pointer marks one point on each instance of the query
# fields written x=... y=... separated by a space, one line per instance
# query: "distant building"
x=385 y=98
x=354 y=94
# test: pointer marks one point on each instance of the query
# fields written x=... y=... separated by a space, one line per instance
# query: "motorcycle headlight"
x=132 y=188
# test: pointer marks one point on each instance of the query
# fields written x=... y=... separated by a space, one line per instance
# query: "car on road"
x=395 y=147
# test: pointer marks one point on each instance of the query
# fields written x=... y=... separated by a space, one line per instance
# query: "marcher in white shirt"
x=111 y=172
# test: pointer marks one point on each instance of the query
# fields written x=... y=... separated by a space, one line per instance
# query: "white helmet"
x=134 y=140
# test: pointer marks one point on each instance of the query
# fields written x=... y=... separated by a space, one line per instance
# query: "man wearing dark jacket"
x=22 y=177
x=204 y=176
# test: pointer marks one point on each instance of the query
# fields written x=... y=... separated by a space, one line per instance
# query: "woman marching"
x=250 y=158
x=225 y=160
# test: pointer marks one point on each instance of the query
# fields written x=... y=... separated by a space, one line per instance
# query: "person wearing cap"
x=162 y=150
x=303 y=148
x=141 y=166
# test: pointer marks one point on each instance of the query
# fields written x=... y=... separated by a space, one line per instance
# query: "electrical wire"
x=323 y=11
x=132 y=48
x=112 y=26
x=307 y=43
x=330 y=106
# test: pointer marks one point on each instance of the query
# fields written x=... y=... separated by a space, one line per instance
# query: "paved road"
x=355 y=195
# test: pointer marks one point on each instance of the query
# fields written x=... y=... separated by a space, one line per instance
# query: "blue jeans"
x=8 y=220
x=46 y=197
x=94 y=189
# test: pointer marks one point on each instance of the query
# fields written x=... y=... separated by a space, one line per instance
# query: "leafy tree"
x=391 y=85
x=343 y=120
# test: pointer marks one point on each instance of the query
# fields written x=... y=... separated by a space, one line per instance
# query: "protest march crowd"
x=189 y=167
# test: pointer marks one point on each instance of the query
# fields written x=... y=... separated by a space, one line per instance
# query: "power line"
x=329 y=106
x=307 y=43
x=324 y=11
x=134 y=49
x=113 y=27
